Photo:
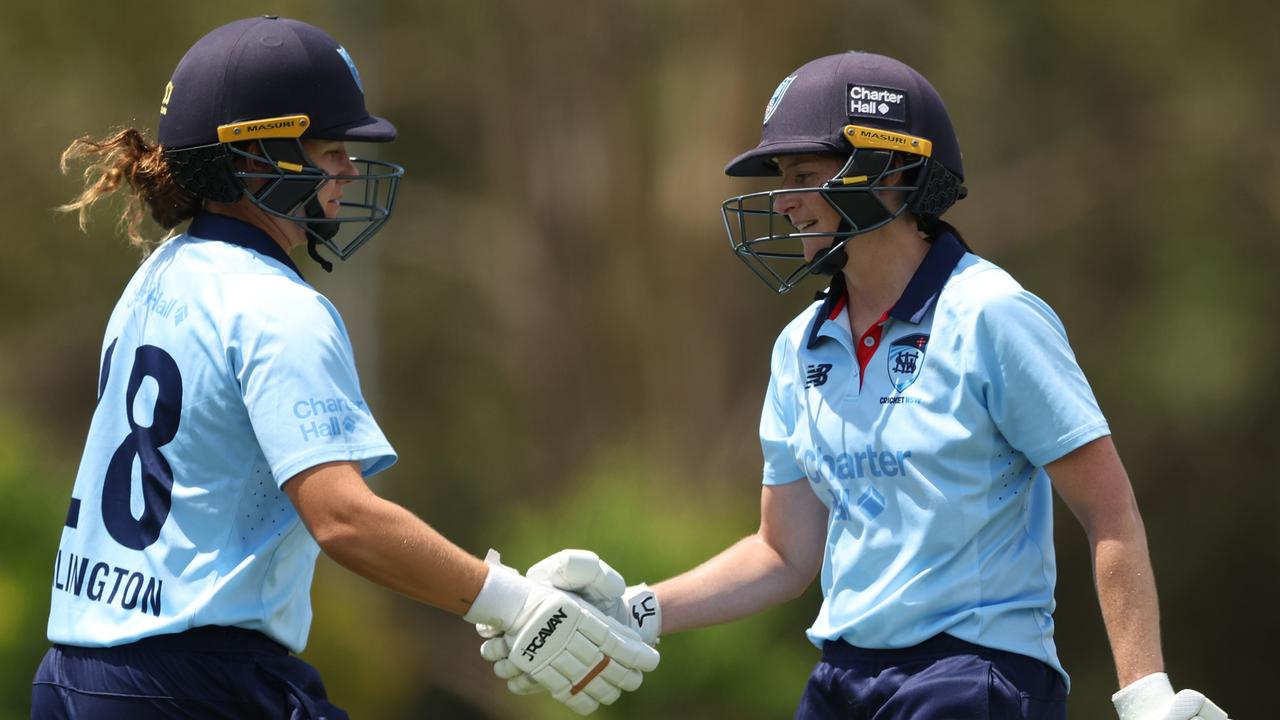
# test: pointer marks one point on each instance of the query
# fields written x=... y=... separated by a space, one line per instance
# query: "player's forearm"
x=382 y=541
x=746 y=578
x=1127 y=596
x=1092 y=481
x=388 y=545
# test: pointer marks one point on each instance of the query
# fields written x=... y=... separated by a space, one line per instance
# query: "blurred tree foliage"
x=563 y=352
x=31 y=513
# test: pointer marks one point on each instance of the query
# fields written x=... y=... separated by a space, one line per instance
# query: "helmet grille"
x=939 y=191
x=205 y=171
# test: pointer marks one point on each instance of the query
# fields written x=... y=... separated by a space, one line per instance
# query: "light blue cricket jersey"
x=223 y=375
x=931 y=460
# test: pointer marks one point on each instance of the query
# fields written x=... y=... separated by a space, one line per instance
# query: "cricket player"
x=917 y=419
x=231 y=440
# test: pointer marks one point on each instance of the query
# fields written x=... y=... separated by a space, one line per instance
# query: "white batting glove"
x=495 y=648
x=558 y=641
x=1152 y=698
x=583 y=573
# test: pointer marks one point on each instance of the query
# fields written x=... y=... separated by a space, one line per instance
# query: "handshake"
x=571 y=627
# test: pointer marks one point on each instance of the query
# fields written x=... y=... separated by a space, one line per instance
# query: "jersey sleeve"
x=1036 y=393
x=778 y=420
x=297 y=373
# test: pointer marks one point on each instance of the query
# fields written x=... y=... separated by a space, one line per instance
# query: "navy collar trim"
x=212 y=226
x=920 y=294
x=929 y=279
x=835 y=294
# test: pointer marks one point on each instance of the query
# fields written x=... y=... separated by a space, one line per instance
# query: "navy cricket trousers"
x=943 y=678
x=206 y=672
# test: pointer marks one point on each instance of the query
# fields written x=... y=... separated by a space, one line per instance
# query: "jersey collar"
x=212 y=226
x=920 y=294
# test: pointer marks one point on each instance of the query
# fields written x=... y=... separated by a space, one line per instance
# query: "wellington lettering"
x=100 y=582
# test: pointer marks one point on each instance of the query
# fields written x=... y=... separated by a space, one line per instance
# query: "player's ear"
x=251 y=165
x=895 y=178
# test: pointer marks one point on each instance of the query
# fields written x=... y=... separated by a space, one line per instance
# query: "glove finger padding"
x=581 y=572
x=627 y=679
x=495 y=649
x=624 y=679
x=581 y=703
x=1193 y=705
x=627 y=648
x=601 y=690
x=566 y=645
x=619 y=641
x=522 y=684
x=540 y=637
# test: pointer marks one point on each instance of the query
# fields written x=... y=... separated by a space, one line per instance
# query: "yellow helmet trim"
x=287 y=126
x=876 y=139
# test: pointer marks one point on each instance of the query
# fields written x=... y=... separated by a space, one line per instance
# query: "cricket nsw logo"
x=881 y=103
x=351 y=65
x=777 y=97
x=906 y=355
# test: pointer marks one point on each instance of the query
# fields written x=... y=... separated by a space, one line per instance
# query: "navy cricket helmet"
x=254 y=89
x=891 y=126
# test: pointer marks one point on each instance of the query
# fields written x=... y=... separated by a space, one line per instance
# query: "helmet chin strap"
x=829 y=262
x=317 y=231
x=833 y=259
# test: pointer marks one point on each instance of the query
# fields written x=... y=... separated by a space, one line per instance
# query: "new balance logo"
x=816 y=375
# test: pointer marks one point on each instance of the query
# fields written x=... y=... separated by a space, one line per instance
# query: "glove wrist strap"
x=1138 y=698
x=500 y=599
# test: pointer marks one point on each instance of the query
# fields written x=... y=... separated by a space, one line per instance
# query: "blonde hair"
x=127 y=157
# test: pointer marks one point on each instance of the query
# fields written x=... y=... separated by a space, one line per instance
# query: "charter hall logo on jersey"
x=325 y=417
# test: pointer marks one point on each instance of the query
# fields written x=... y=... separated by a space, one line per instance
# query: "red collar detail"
x=840 y=303
x=864 y=350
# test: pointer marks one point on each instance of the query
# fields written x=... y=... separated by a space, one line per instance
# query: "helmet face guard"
x=290 y=183
x=878 y=183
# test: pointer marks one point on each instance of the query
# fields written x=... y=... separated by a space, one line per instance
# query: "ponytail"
x=127 y=157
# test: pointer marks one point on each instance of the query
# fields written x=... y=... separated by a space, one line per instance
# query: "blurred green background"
x=558 y=342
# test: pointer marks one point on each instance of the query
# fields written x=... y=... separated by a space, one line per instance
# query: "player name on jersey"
x=100 y=582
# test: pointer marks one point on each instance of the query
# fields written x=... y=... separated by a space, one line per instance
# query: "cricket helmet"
x=893 y=130
x=254 y=89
